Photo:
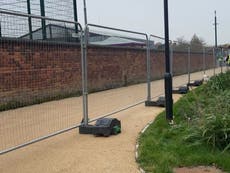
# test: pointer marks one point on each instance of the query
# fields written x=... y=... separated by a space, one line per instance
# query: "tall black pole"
x=168 y=75
x=43 y=22
x=29 y=19
x=75 y=14
x=216 y=46
x=215 y=31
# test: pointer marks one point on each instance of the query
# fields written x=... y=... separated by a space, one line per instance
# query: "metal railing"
x=186 y=60
x=85 y=85
x=48 y=61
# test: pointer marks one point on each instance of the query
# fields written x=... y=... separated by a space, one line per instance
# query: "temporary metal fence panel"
x=185 y=59
x=200 y=61
x=178 y=62
x=181 y=65
x=157 y=64
x=189 y=65
x=204 y=60
x=206 y=65
x=221 y=55
x=116 y=58
x=196 y=64
x=52 y=60
x=37 y=71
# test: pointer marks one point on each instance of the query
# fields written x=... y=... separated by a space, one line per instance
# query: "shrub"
x=218 y=83
x=211 y=114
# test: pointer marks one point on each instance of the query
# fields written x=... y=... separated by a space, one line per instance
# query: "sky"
x=186 y=17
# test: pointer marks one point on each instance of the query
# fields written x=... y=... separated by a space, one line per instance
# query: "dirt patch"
x=199 y=169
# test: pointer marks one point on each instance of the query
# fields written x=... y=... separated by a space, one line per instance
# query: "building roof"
x=117 y=41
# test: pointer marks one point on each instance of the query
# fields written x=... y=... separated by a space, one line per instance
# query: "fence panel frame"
x=85 y=93
x=80 y=35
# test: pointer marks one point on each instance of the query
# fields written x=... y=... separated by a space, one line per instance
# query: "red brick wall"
x=31 y=71
x=113 y=67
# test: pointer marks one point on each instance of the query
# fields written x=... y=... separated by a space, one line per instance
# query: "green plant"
x=216 y=131
x=213 y=124
x=218 y=83
x=200 y=136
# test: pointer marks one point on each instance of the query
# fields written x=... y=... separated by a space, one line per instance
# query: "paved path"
x=71 y=152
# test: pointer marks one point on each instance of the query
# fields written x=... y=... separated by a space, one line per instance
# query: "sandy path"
x=71 y=152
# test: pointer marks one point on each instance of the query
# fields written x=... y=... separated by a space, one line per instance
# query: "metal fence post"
x=84 y=70
x=84 y=78
x=148 y=70
x=214 y=61
x=189 y=65
x=204 y=60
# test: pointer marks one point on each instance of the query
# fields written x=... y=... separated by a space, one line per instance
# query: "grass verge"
x=200 y=136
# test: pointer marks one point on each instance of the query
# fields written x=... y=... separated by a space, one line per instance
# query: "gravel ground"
x=71 y=152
